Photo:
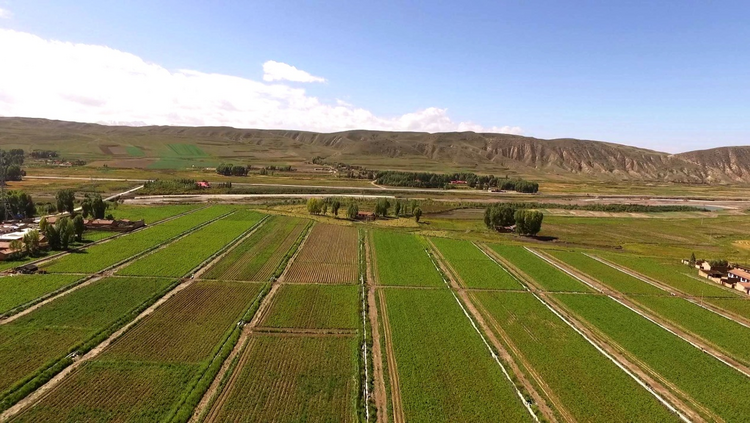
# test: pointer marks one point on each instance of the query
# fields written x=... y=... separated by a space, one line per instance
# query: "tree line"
x=228 y=169
x=504 y=215
x=443 y=180
x=383 y=206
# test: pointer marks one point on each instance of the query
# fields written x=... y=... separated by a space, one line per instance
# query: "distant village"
x=720 y=271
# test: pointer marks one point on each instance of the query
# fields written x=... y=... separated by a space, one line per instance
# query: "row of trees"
x=382 y=206
x=20 y=205
x=10 y=164
x=443 y=180
x=503 y=215
x=232 y=170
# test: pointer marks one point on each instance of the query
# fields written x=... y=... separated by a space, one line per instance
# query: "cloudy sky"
x=670 y=76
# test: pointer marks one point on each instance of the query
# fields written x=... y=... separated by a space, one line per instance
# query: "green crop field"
x=186 y=150
x=402 y=260
x=170 y=349
x=46 y=335
x=185 y=254
x=673 y=274
x=726 y=334
x=20 y=289
x=135 y=151
x=542 y=272
x=446 y=373
x=289 y=379
x=101 y=256
x=609 y=276
x=256 y=258
x=475 y=269
x=589 y=385
x=151 y=214
x=315 y=307
x=701 y=376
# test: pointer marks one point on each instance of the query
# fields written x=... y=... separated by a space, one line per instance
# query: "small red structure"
x=203 y=184
x=366 y=216
x=458 y=182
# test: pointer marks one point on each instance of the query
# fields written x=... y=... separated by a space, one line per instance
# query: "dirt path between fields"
x=379 y=392
x=457 y=286
x=216 y=396
x=396 y=401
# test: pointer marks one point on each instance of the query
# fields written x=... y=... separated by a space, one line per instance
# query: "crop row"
x=20 y=289
x=702 y=377
x=542 y=272
x=151 y=214
x=608 y=275
x=726 y=334
x=42 y=338
x=314 y=307
x=180 y=257
x=256 y=258
x=159 y=362
x=330 y=244
x=294 y=378
x=330 y=255
x=101 y=256
x=588 y=385
x=674 y=275
x=474 y=268
x=446 y=373
x=401 y=259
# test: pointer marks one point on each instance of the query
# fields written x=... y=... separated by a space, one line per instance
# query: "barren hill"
x=154 y=146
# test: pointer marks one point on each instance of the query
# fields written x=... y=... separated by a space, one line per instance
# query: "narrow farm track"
x=396 y=401
x=665 y=392
x=213 y=400
x=379 y=392
x=458 y=287
x=674 y=292
x=676 y=330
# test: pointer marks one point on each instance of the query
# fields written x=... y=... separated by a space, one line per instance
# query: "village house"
x=738 y=275
x=123 y=225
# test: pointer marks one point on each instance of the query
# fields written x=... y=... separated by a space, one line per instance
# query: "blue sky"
x=666 y=75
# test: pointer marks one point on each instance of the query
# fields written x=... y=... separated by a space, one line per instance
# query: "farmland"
x=286 y=377
x=178 y=258
x=402 y=260
x=314 y=307
x=101 y=256
x=589 y=385
x=330 y=255
x=173 y=347
x=151 y=214
x=49 y=333
x=540 y=271
x=20 y=289
x=474 y=268
x=462 y=382
x=613 y=278
x=256 y=258
x=699 y=375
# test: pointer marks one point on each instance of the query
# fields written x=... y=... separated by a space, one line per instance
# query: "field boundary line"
x=492 y=352
x=379 y=393
x=362 y=261
x=80 y=283
x=396 y=401
x=698 y=343
x=640 y=373
x=741 y=320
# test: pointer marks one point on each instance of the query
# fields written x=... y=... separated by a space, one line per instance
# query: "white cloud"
x=5 y=13
x=278 y=71
x=90 y=83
